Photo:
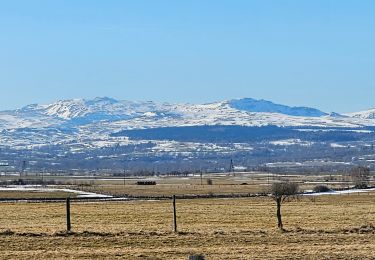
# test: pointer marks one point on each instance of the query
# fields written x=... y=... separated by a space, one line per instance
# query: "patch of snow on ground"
x=80 y=194
x=340 y=192
x=335 y=145
x=288 y=142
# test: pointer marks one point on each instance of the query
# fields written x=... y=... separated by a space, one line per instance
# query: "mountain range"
x=78 y=126
x=67 y=121
x=128 y=114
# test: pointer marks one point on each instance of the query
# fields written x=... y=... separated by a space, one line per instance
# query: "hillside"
x=73 y=131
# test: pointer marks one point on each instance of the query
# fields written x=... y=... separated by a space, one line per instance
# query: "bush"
x=321 y=188
x=209 y=182
x=361 y=186
x=360 y=177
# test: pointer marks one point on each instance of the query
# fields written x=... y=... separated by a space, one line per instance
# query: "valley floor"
x=325 y=227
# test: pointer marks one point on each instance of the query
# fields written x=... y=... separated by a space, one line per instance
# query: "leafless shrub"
x=360 y=177
x=280 y=192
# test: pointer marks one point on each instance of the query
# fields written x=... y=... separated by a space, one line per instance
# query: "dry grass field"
x=222 y=183
x=34 y=194
x=173 y=189
x=241 y=183
x=327 y=227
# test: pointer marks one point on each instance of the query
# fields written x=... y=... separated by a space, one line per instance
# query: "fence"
x=168 y=215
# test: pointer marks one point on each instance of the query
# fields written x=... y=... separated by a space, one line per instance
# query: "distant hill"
x=367 y=114
x=80 y=121
x=253 y=105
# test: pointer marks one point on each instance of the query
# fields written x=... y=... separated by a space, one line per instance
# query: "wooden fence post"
x=196 y=257
x=68 y=224
x=174 y=214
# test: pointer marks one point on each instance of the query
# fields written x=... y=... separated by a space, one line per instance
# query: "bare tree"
x=360 y=176
x=280 y=192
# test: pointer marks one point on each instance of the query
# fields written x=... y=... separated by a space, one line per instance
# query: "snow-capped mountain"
x=80 y=120
x=97 y=109
x=114 y=114
x=253 y=105
x=367 y=114
x=107 y=107
x=104 y=132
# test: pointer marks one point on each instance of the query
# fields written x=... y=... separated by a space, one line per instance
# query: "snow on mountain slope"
x=219 y=113
x=367 y=114
x=100 y=109
x=82 y=121
x=253 y=105
x=16 y=119
x=112 y=114
x=66 y=109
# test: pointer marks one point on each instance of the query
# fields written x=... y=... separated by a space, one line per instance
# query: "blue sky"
x=313 y=53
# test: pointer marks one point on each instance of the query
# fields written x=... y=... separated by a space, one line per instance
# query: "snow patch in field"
x=28 y=188
x=288 y=142
x=335 y=145
x=149 y=114
x=340 y=192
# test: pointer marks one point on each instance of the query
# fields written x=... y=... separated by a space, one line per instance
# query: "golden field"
x=241 y=183
x=327 y=227
x=247 y=182
x=35 y=194
x=172 y=189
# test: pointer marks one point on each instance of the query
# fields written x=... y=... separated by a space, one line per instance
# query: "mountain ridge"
x=254 y=105
x=72 y=108
x=145 y=114
x=79 y=127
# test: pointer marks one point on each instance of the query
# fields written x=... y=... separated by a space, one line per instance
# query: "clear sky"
x=317 y=53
